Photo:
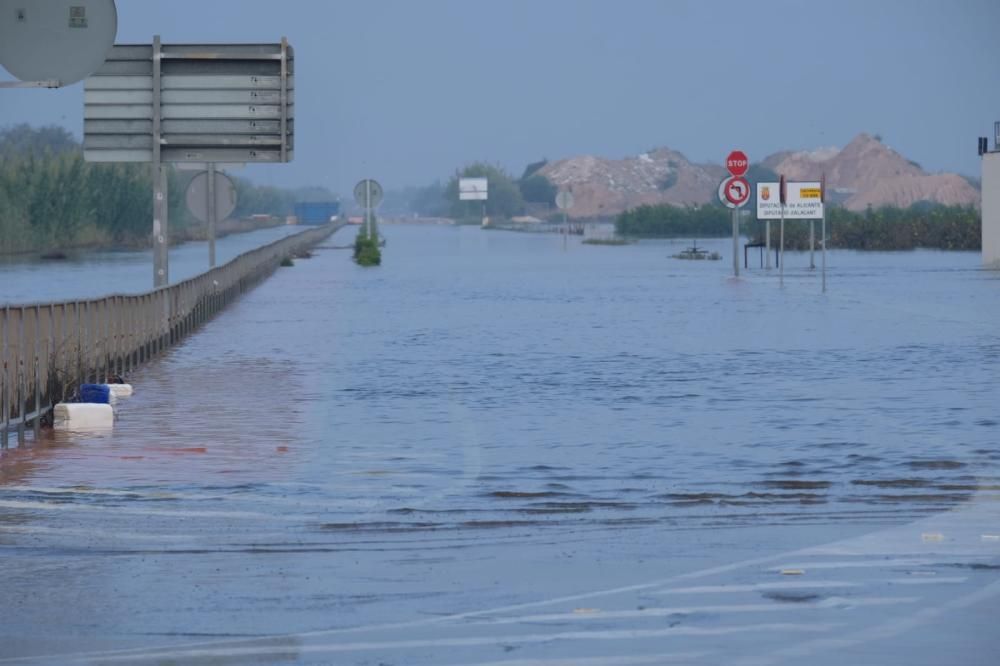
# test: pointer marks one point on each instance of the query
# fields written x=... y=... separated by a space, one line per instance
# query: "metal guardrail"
x=47 y=350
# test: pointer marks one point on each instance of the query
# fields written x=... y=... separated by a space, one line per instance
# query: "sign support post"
x=368 y=195
x=564 y=201
x=781 y=258
x=767 y=243
x=212 y=214
x=795 y=201
x=210 y=103
x=161 y=255
x=283 y=125
x=812 y=244
x=474 y=189
x=736 y=194
x=822 y=230
x=736 y=242
x=368 y=209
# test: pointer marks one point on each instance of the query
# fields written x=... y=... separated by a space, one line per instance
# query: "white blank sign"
x=472 y=189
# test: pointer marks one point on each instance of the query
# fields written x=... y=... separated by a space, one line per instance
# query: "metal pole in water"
x=781 y=258
x=736 y=241
x=210 y=208
x=161 y=276
x=823 y=235
x=812 y=244
x=767 y=241
x=368 y=208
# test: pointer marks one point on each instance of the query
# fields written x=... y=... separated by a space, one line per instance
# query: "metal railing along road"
x=47 y=350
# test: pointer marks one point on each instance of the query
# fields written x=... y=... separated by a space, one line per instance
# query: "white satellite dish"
x=56 y=40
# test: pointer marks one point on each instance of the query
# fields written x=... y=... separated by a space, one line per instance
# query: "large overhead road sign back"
x=209 y=103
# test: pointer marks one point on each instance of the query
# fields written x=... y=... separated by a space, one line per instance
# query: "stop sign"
x=737 y=163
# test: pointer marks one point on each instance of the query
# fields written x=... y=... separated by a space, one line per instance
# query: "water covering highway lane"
x=492 y=451
x=91 y=274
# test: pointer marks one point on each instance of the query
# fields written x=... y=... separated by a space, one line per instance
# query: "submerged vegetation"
x=605 y=241
x=366 y=247
x=666 y=221
x=922 y=225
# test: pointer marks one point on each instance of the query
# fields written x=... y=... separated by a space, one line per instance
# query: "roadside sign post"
x=734 y=192
x=211 y=196
x=474 y=189
x=812 y=244
x=794 y=201
x=736 y=241
x=767 y=243
x=368 y=207
x=161 y=253
x=564 y=201
x=210 y=202
x=781 y=259
x=189 y=103
x=822 y=230
x=368 y=194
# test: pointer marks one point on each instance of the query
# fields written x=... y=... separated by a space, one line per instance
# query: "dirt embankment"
x=864 y=173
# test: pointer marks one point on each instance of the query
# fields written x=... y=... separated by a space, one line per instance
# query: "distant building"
x=317 y=212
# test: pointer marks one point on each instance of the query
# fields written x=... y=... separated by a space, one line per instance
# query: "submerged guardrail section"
x=47 y=350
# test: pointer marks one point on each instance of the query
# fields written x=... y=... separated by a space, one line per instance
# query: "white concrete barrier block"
x=120 y=390
x=83 y=416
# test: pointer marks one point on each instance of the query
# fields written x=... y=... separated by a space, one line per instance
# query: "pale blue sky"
x=406 y=91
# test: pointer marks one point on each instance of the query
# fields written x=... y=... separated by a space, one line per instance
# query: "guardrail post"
x=37 y=421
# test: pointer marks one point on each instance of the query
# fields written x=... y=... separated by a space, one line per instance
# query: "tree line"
x=51 y=199
x=509 y=196
x=923 y=225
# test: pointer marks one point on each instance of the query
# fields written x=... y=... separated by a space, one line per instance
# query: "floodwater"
x=90 y=274
x=495 y=449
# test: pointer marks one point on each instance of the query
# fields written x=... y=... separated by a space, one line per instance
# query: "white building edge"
x=990 y=190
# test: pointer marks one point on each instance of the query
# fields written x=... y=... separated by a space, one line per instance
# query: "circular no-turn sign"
x=738 y=163
x=734 y=192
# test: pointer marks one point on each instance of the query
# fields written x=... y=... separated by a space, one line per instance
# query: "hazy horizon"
x=406 y=92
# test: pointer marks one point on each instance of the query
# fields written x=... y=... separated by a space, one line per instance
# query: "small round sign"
x=197 y=196
x=564 y=200
x=368 y=193
x=737 y=191
x=732 y=188
x=737 y=163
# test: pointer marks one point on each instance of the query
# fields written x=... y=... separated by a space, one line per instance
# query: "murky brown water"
x=489 y=420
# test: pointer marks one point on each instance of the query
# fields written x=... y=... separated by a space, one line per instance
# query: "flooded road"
x=90 y=274
x=492 y=450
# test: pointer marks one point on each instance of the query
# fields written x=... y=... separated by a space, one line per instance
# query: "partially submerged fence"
x=47 y=350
